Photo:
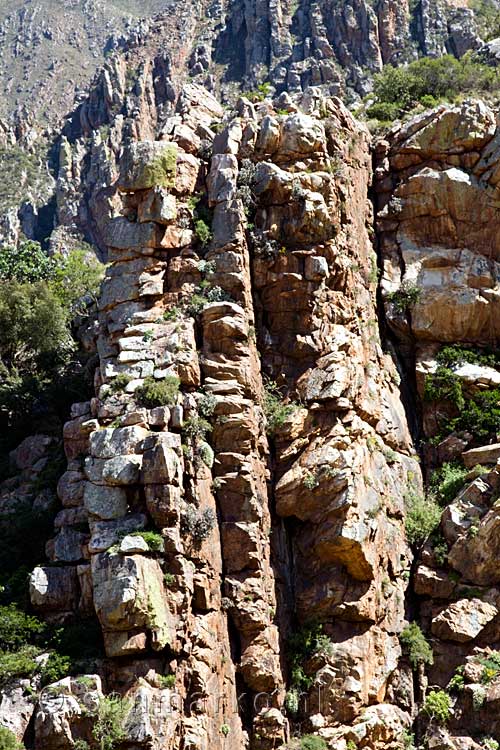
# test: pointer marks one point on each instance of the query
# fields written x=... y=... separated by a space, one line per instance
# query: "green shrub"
x=447 y=481
x=423 y=516
x=225 y=730
x=196 y=428
x=167 y=680
x=154 y=540
x=437 y=706
x=428 y=81
x=57 y=667
x=259 y=94
x=119 y=383
x=312 y=742
x=77 y=278
x=158 y=392
x=457 y=682
x=202 y=231
x=17 y=629
x=491 y=667
x=111 y=716
x=487 y=18
x=415 y=646
x=490 y=744
x=444 y=385
x=301 y=646
x=292 y=701
x=276 y=411
x=408 y=740
x=26 y=263
x=18 y=664
x=405 y=297
x=8 y=740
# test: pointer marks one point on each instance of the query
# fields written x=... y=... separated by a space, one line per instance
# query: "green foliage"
x=437 y=706
x=312 y=742
x=109 y=727
x=310 y=481
x=158 y=392
x=447 y=481
x=405 y=297
x=225 y=730
x=166 y=680
x=33 y=329
x=20 y=663
x=57 y=667
x=415 y=646
x=490 y=744
x=292 y=702
x=276 y=411
x=301 y=646
x=259 y=94
x=426 y=82
x=422 y=517
x=196 y=428
x=174 y=313
x=206 y=405
x=203 y=231
x=39 y=372
x=444 y=385
x=487 y=18
x=26 y=263
x=203 y=295
x=408 y=740
x=8 y=740
x=351 y=745
x=169 y=579
x=491 y=667
x=81 y=745
x=154 y=540
x=77 y=279
x=119 y=383
x=206 y=454
x=162 y=170
x=17 y=629
x=457 y=682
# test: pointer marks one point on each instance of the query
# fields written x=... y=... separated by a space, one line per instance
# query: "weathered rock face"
x=257 y=532
x=437 y=192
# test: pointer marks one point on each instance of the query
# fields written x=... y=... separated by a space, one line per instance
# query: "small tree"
x=416 y=646
x=109 y=727
x=437 y=706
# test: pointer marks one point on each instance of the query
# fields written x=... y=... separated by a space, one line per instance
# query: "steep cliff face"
x=224 y=46
x=242 y=514
x=437 y=197
x=264 y=531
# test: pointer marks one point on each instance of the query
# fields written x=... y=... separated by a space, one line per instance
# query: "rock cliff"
x=279 y=510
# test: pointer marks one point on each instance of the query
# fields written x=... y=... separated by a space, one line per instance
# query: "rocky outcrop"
x=436 y=195
x=240 y=293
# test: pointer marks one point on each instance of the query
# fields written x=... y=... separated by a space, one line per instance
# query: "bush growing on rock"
x=422 y=517
x=17 y=628
x=109 y=727
x=158 y=392
x=437 y=706
x=447 y=481
x=416 y=646
x=198 y=524
x=275 y=409
x=303 y=644
x=428 y=81
x=8 y=740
